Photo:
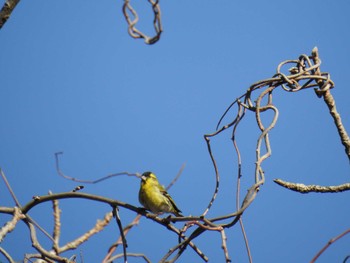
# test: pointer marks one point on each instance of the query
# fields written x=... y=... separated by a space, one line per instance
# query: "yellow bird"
x=154 y=197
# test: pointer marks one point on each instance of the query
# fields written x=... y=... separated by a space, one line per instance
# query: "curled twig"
x=132 y=19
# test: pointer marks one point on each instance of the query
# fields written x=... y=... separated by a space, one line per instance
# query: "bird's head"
x=148 y=176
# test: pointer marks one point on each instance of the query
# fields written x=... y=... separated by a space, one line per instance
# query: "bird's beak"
x=143 y=178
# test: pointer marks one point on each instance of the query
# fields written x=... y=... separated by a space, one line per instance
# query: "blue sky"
x=73 y=80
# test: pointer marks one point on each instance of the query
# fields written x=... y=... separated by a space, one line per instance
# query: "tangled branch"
x=305 y=73
x=132 y=19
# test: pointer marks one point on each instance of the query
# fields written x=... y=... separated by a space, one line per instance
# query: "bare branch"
x=100 y=225
x=120 y=239
x=224 y=245
x=330 y=242
x=324 y=91
x=10 y=225
x=111 y=202
x=129 y=255
x=19 y=205
x=217 y=176
x=119 y=223
x=7 y=255
x=57 y=225
x=7 y=10
x=7 y=210
x=176 y=177
x=39 y=258
x=9 y=188
x=59 y=171
x=304 y=189
x=44 y=253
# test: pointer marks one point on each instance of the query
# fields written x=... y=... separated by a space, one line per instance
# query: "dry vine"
x=304 y=74
x=132 y=19
x=130 y=14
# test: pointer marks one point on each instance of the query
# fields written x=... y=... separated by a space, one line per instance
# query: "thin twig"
x=19 y=205
x=240 y=115
x=57 y=224
x=44 y=253
x=330 y=242
x=99 y=226
x=346 y=259
x=217 y=176
x=130 y=255
x=6 y=255
x=126 y=230
x=59 y=171
x=28 y=258
x=30 y=219
x=224 y=245
x=176 y=177
x=119 y=223
x=9 y=188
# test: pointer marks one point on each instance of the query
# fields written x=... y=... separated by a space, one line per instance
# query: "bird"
x=154 y=197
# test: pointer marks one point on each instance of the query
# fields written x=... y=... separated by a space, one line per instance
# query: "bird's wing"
x=165 y=193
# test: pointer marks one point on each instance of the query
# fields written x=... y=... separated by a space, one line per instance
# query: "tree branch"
x=6 y=11
x=304 y=189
